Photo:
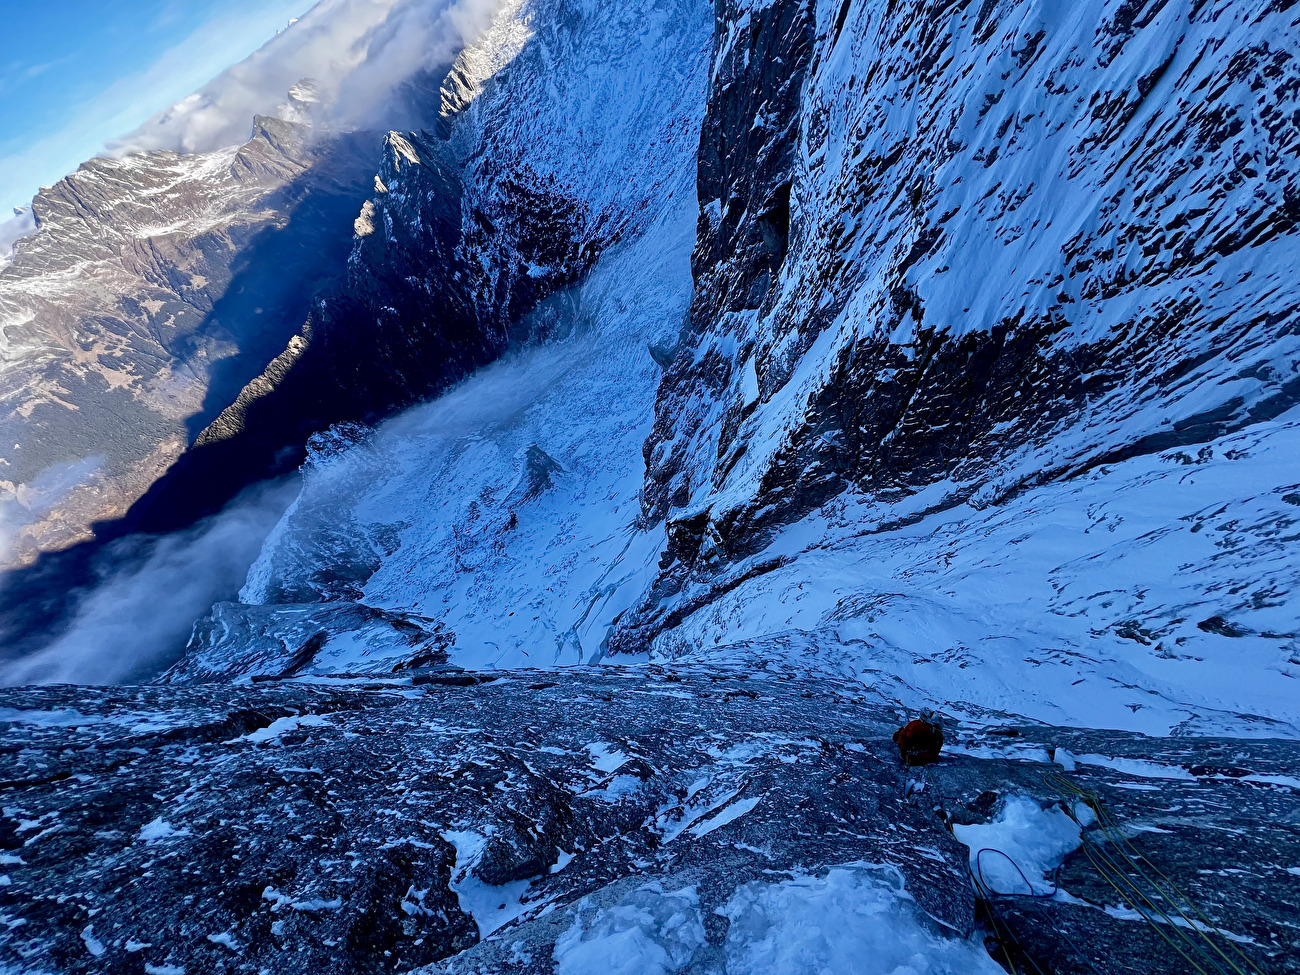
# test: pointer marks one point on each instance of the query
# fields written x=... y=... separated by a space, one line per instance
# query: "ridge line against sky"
x=89 y=73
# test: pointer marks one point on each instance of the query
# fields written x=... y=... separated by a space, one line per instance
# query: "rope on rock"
x=1113 y=870
x=1117 y=871
x=990 y=896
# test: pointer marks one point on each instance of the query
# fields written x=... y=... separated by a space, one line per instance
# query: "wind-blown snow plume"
x=359 y=52
x=22 y=505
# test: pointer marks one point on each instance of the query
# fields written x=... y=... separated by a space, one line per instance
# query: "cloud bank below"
x=136 y=620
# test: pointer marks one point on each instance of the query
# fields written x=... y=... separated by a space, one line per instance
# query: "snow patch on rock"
x=1022 y=845
x=650 y=932
x=856 y=918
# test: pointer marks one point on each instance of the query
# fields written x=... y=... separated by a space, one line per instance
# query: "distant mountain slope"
x=157 y=285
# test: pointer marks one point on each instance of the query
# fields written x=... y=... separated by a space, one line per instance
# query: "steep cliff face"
x=1023 y=240
x=977 y=363
x=577 y=155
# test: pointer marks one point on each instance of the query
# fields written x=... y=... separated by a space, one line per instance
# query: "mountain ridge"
x=128 y=306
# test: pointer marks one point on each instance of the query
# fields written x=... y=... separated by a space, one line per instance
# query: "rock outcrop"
x=388 y=827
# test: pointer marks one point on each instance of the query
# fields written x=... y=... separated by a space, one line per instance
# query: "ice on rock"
x=491 y=906
x=651 y=932
x=1024 y=843
x=857 y=918
x=159 y=829
x=282 y=726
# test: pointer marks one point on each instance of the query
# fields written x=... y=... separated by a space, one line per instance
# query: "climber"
x=920 y=740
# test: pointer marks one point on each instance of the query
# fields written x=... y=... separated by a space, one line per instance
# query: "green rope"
x=1113 y=873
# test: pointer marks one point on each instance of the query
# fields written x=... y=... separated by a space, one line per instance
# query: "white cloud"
x=139 y=617
x=358 y=51
x=12 y=231
x=23 y=505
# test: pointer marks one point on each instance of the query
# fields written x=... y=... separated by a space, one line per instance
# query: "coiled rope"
x=986 y=891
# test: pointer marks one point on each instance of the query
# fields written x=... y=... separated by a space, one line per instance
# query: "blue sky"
x=78 y=73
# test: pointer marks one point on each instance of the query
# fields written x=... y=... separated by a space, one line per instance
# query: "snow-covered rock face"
x=523 y=539
x=976 y=360
x=1056 y=227
x=954 y=256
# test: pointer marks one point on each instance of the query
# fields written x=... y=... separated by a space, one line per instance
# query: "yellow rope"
x=1110 y=871
x=1132 y=855
x=1098 y=862
x=1004 y=939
